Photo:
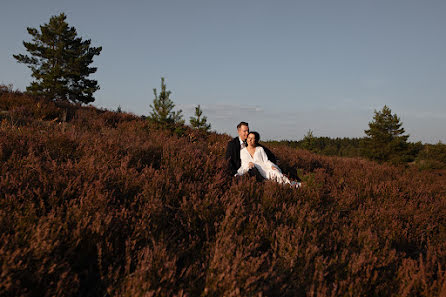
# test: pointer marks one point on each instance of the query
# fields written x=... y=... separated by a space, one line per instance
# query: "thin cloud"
x=223 y=111
x=427 y=115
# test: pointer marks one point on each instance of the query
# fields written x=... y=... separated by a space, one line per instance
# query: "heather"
x=99 y=203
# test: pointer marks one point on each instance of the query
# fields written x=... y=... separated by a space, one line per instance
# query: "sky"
x=285 y=67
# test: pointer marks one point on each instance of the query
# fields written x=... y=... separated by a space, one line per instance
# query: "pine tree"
x=385 y=140
x=59 y=62
x=162 y=108
x=308 y=141
x=199 y=122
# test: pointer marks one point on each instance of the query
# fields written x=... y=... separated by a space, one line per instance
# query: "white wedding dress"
x=261 y=162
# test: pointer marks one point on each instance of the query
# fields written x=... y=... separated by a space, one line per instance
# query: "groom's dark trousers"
x=234 y=162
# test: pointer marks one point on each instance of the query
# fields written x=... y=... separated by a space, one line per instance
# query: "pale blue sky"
x=283 y=66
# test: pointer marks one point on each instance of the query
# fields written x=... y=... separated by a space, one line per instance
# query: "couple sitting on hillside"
x=246 y=156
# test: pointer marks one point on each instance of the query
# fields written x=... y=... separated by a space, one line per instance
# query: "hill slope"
x=104 y=205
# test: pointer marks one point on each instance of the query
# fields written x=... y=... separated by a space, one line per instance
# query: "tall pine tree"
x=385 y=140
x=59 y=61
x=199 y=122
x=162 y=108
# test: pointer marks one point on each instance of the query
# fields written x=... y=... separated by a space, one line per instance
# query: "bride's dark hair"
x=256 y=136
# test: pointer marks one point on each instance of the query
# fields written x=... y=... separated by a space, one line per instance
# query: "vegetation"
x=162 y=108
x=199 y=122
x=59 y=61
x=385 y=143
x=342 y=147
x=432 y=156
x=100 y=205
x=385 y=140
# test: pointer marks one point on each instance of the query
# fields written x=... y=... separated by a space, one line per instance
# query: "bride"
x=254 y=156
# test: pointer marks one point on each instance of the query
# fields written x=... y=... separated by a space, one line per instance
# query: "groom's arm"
x=230 y=158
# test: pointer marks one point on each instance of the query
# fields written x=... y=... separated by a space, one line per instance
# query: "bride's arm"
x=244 y=157
x=266 y=160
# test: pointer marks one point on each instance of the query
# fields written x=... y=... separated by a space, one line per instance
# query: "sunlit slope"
x=98 y=203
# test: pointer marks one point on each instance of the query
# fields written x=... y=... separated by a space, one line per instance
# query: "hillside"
x=98 y=203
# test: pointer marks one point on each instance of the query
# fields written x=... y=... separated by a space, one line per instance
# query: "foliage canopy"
x=385 y=140
x=59 y=61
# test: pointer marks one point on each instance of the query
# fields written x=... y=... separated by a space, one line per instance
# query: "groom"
x=239 y=143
